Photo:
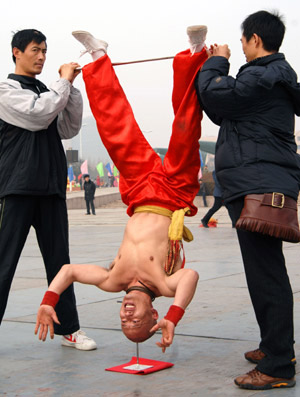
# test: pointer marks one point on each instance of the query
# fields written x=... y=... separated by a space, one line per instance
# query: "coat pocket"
x=228 y=148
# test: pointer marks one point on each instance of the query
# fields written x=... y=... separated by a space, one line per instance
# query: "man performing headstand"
x=148 y=262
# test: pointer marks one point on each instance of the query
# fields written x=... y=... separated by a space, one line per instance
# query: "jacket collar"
x=28 y=81
x=263 y=61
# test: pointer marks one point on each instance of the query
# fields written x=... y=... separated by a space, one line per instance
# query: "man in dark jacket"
x=33 y=177
x=89 y=194
x=256 y=153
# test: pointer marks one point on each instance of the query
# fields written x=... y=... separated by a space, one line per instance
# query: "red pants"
x=143 y=178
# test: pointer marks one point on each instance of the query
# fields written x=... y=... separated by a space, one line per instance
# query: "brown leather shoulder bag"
x=273 y=214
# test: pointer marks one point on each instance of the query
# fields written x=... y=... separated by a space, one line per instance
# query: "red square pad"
x=155 y=366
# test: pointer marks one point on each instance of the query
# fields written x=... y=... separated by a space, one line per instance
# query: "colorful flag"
x=71 y=173
x=84 y=167
x=108 y=169
x=100 y=169
x=201 y=159
x=116 y=172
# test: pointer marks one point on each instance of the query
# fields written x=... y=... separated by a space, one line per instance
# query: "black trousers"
x=218 y=202
x=48 y=215
x=90 y=204
x=271 y=296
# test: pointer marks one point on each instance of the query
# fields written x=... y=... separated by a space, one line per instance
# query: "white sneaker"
x=79 y=340
x=197 y=37
x=90 y=43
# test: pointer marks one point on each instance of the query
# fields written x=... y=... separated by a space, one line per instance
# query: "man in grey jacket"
x=33 y=120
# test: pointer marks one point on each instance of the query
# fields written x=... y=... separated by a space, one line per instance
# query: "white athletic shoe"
x=79 y=340
x=91 y=44
x=197 y=37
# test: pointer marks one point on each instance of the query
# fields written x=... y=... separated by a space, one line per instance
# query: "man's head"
x=86 y=177
x=262 y=33
x=29 y=52
x=137 y=316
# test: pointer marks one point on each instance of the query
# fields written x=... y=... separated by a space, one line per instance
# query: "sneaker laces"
x=80 y=334
x=254 y=373
x=83 y=52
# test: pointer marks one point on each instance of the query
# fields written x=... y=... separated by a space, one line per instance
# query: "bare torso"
x=142 y=254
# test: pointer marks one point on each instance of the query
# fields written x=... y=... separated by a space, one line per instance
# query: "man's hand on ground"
x=45 y=317
x=167 y=329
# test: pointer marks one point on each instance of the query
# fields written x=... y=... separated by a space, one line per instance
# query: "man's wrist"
x=50 y=298
x=174 y=314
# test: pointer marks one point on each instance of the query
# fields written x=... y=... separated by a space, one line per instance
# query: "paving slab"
x=218 y=327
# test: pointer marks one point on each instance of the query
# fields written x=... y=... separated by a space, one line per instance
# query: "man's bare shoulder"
x=173 y=280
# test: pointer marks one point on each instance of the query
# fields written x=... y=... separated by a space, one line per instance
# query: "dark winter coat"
x=256 y=150
x=89 y=190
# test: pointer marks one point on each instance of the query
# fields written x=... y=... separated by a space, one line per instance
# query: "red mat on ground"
x=155 y=366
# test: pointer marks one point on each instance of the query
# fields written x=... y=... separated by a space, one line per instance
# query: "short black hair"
x=22 y=38
x=268 y=26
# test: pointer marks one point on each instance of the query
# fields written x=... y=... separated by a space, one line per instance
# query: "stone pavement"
x=218 y=327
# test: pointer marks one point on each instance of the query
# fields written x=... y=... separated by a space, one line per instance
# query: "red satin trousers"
x=143 y=178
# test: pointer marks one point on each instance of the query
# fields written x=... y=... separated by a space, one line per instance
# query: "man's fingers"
x=167 y=340
x=155 y=328
x=163 y=348
x=41 y=331
x=37 y=324
x=55 y=319
x=51 y=331
x=45 y=333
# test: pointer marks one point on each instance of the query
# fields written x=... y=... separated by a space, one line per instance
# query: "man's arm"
x=25 y=109
x=222 y=95
x=183 y=284
x=86 y=274
x=70 y=119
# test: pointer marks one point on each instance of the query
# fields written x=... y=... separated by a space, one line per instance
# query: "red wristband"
x=50 y=298
x=174 y=314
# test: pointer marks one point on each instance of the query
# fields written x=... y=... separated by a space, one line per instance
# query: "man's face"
x=137 y=316
x=86 y=178
x=31 y=61
x=249 y=48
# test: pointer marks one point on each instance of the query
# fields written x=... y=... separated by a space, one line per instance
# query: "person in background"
x=89 y=194
x=33 y=177
x=98 y=181
x=218 y=203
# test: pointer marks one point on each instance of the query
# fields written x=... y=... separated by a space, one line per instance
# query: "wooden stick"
x=142 y=60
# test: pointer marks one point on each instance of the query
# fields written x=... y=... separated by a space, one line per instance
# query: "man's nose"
x=128 y=313
x=41 y=55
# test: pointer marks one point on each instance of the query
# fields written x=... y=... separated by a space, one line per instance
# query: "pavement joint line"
x=158 y=333
x=220 y=277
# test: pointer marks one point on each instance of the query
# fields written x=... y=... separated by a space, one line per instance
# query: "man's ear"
x=257 y=40
x=154 y=314
x=16 y=52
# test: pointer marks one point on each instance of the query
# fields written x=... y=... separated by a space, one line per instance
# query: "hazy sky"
x=138 y=29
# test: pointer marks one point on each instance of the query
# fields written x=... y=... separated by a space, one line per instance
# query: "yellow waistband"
x=177 y=230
